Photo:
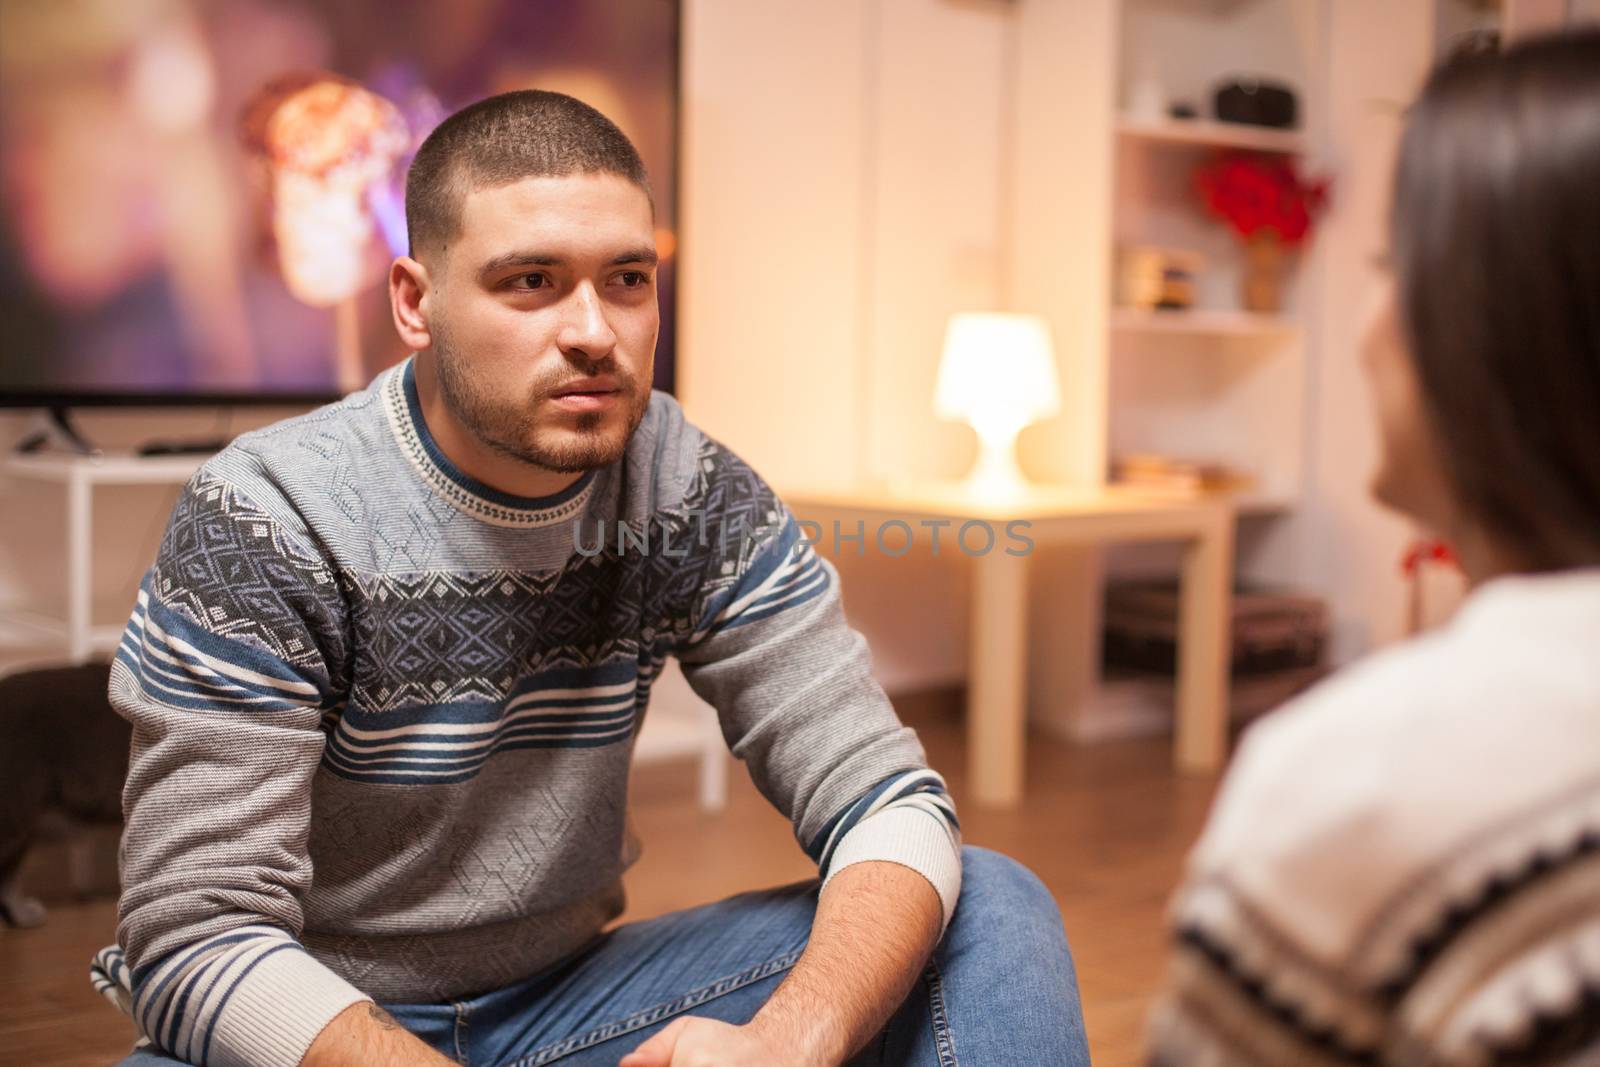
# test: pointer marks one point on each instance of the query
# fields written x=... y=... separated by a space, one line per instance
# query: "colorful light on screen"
x=327 y=144
x=171 y=84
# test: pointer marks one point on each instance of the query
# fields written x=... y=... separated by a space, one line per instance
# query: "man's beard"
x=509 y=427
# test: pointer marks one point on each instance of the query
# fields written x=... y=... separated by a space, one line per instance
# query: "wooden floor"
x=1105 y=827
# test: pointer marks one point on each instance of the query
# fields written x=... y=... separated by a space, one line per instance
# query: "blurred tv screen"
x=145 y=250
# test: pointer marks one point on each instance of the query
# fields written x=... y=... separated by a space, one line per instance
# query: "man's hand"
x=695 y=1042
x=875 y=926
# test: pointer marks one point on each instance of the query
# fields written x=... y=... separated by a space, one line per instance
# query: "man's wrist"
x=364 y=1033
x=876 y=924
x=803 y=1042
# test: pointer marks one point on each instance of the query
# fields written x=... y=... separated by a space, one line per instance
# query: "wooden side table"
x=997 y=655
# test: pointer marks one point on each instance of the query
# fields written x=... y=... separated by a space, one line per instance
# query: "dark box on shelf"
x=1256 y=103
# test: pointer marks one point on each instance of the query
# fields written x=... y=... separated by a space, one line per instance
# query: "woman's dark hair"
x=1495 y=231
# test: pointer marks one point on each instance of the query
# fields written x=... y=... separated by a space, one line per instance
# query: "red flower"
x=1260 y=193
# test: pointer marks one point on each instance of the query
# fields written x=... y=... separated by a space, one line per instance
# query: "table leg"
x=79 y=541
x=1201 y=739
x=996 y=678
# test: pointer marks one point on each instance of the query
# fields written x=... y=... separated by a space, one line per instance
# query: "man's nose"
x=585 y=326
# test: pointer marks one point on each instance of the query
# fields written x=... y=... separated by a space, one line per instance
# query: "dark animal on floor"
x=63 y=759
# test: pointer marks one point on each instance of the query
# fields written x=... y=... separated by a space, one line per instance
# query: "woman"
x=1403 y=866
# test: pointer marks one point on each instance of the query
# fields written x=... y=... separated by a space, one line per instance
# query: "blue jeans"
x=999 y=989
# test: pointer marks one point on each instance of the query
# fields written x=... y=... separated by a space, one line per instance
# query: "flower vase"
x=1262 y=288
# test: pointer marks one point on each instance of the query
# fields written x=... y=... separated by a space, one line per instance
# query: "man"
x=386 y=671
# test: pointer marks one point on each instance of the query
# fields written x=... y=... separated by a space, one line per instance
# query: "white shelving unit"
x=1214 y=383
x=1099 y=166
x=1217 y=382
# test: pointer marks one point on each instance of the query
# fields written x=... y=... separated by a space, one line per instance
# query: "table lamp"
x=998 y=374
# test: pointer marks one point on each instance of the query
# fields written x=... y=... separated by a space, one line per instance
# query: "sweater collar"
x=466 y=493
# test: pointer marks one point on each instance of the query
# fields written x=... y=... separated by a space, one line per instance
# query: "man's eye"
x=532 y=281
x=634 y=278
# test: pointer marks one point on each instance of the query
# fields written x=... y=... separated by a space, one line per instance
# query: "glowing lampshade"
x=998 y=374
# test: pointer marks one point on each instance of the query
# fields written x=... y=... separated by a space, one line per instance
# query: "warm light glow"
x=329 y=146
x=326 y=145
x=998 y=374
x=171 y=84
x=666 y=243
x=322 y=229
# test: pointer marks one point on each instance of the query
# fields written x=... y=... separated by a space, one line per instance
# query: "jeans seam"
x=944 y=1044
x=461 y=1031
x=649 y=1016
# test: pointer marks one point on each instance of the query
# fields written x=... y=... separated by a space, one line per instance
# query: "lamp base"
x=996 y=474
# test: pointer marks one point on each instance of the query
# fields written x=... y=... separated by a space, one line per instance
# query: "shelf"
x=16 y=622
x=108 y=468
x=1205 y=133
x=1201 y=322
x=1248 y=502
x=1257 y=503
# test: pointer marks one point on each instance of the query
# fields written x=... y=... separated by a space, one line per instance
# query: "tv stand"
x=194 y=447
x=78 y=474
x=56 y=428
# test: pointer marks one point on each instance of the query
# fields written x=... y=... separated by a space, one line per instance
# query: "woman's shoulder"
x=1513 y=677
x=1420 y=742
x=1382 y=839
x=1357 y=820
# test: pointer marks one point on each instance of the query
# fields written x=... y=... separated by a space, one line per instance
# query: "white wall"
x=771 y=270
x=1059 y=217
x=842 y=196
x=934 y=163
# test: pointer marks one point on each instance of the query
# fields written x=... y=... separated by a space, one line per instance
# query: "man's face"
x=549 y=287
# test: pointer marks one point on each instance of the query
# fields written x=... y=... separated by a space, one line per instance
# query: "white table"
x=997 y=654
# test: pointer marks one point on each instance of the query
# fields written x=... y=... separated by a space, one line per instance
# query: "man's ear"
x=409 y=288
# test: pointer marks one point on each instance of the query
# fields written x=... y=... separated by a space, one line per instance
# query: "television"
x=141 y=260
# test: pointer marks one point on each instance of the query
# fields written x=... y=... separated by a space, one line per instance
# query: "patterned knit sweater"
x=383 y=716
x=1403 y=867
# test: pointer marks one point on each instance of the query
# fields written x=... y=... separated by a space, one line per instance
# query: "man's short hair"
x=530 y=133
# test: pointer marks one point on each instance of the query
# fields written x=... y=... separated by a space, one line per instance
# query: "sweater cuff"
x=912 y=838
x=278 y=1009
x=251 y=996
